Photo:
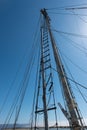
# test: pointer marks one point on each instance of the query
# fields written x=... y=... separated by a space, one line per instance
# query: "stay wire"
x=15 y=78
x=70 y=59
x=12 y=108
x=75 y=44
x=13 y=105
x=65 y=7
x=73 y=78
x=77 y=8
x=12 y=84
x=36 y=107
x=35 y=48
x=33 y=105
x=64 y=100
x=80 y=17
x=74 y=14
x=77 y=66
x=56 y=118
x=26 y=85
x=16 y=99
x=77 y=88
x=71 y=34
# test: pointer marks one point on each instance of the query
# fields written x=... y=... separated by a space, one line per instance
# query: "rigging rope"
x=81 y=69
x=74 y=63
x=67 y=7
x=26 y=80
x=22 y=89
x=72 y=34
x=76 y=86
x=76 y=14
x=33 y=106
x=75 y=44
x=72 y=80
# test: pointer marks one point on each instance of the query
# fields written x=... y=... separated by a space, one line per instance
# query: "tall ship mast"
x=72 y=112
x=44 y=58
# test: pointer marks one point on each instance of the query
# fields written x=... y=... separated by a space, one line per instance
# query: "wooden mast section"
x=73 y=112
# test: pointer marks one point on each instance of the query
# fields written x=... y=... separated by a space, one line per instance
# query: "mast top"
x=45 y=14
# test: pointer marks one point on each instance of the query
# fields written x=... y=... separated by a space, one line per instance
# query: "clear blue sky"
x=18 y=22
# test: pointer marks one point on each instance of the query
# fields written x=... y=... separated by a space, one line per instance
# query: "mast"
x=45 y=99
x=73 y=114
x=44 y=83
